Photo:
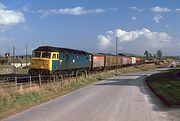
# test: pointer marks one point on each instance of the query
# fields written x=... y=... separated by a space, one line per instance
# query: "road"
x=121 y=98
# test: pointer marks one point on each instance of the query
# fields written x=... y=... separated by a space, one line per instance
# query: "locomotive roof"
x=57 y=49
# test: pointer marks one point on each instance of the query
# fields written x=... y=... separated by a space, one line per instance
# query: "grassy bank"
x=166 y=86
x=13 y=101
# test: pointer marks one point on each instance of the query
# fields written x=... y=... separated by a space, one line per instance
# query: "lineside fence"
x=16 y=83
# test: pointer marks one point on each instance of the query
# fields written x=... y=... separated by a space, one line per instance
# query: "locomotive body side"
x=70 y=60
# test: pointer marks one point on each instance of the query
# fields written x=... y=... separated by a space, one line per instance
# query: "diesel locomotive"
x=48 y=60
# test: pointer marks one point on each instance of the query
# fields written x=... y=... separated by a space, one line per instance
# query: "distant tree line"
x=157 y=55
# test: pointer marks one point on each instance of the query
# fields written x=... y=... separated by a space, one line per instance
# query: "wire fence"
x=16 y=82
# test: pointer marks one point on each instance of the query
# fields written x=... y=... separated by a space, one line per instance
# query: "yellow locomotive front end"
x=40 y=63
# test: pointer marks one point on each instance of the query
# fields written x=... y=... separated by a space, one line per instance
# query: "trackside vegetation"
x=166 y=85
x=13 y=101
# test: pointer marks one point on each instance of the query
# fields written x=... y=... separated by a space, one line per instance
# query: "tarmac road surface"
x=121 y=98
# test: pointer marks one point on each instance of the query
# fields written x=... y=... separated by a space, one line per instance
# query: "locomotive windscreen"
x=36 y=54
x=41 y=54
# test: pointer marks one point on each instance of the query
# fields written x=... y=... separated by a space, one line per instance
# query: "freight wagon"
x=133 y=60
x=97 y=61
x=112 y=61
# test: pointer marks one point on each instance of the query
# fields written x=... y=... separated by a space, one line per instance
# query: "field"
x=166 y=86
x=13 y=99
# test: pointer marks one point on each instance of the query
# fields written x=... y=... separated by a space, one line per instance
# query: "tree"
x=146 y=53
x=154 y=55
x=159 y=54
x=150 y=55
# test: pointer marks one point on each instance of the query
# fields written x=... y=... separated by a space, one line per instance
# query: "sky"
x=91 y=25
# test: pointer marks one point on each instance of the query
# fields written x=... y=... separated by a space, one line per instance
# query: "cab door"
x=55 y=61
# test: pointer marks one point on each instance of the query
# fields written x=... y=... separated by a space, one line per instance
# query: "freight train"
x=54 y=60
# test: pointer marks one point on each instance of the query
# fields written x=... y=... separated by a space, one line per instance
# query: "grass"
x=13 y=101
x=167 y=85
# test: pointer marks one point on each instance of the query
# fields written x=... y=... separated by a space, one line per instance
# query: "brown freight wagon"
x=97 y=61
x=112 y=60
x=125 y=60
x=129 y=61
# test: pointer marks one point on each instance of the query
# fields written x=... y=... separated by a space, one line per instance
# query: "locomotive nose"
x=40 y=64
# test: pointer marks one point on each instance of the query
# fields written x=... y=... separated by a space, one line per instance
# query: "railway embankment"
x=166 y=86
x=15 y=99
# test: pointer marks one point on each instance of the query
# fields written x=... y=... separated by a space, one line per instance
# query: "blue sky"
x=91 y=25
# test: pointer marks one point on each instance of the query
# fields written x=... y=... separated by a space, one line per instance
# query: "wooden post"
x=76 y=77
x=86 y=74
x=49 y=78
x=54 y=78
x=16 y=82
x=68 y=77
x=61 y=79
x=39 y=79
x=30 y=81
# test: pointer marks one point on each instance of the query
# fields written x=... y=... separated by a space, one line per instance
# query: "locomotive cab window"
x=54 y=56
x=36 y=54
x=46 y=55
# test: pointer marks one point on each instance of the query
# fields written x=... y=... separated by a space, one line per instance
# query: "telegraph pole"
x=116 y=53
x=14 y=59
x=26 y=55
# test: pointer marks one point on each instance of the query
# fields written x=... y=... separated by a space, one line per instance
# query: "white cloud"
x=71 y=11
x=104 y=41
x=158 y=18
x=177 y=10
x=167 y=25
x=10 y=17
x=26 y=8
x=137 y=9
x=159 y=9
x=134 y=41
x=2 y=6
x=99 y=10
x=134 y=18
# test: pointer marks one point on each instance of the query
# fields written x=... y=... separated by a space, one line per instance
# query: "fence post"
x=30 y=79
x=39 y=79
x=61 y=79
x=86 y=74
x=16 y=82
x=49 y=78
x=54 y=78
x=76 y=77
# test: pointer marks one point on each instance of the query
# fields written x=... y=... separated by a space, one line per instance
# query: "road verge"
x=166 y=86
